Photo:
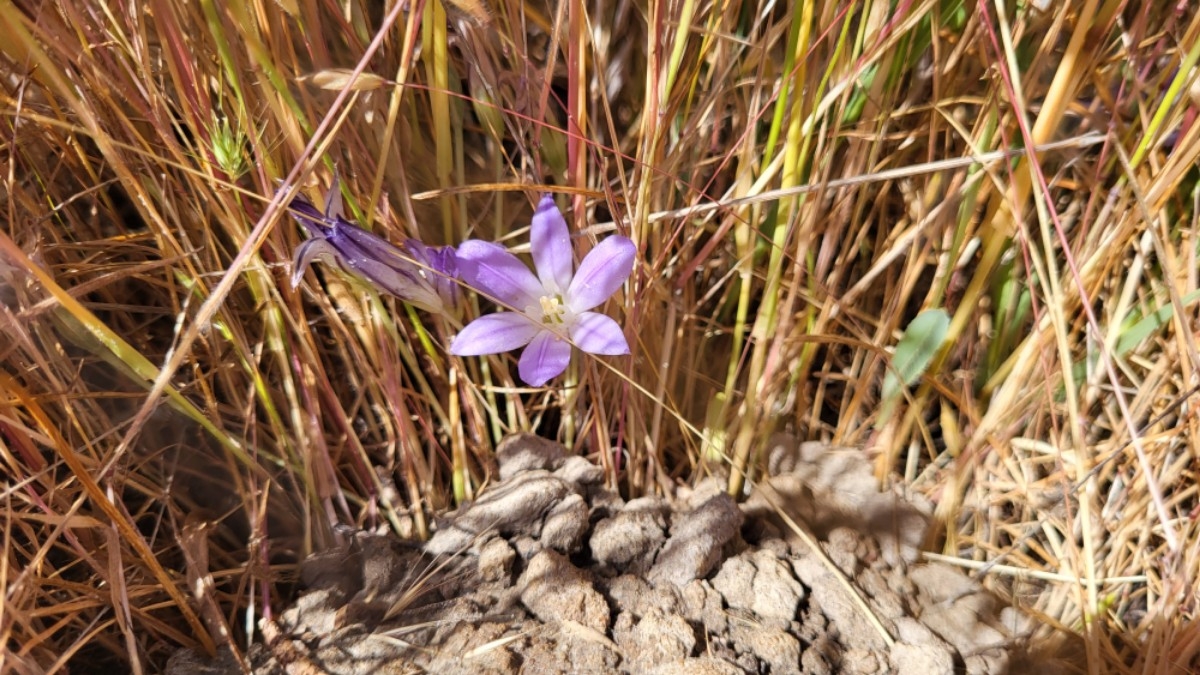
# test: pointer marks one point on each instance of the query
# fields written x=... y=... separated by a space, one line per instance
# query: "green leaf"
x=922 y=340
x=1151 y=324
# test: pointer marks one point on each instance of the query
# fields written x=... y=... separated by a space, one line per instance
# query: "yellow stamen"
x=552 y=309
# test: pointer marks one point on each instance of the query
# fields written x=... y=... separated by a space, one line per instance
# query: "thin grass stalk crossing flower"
x=550 y=311
x=423 y=276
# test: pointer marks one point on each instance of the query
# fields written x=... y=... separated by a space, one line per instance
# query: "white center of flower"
x=552 y=310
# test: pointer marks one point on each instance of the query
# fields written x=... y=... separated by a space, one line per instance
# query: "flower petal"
x=356 y=243
x=333 y=200
x=493 y=334
x=382 y=263
x=601 y=273
x=400 y=282
x=306 y=253
x=308 y=216
x=598 y=334
x=438 y=265
x=551 y=245
x=497 y=274
x=545 y=357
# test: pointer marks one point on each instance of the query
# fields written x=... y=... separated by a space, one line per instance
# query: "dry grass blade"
x=800 y=181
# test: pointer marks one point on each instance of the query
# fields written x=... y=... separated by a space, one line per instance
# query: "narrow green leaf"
x=1151 y=324
x=921 y=342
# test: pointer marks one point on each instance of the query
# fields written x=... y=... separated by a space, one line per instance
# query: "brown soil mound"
x=549 y=572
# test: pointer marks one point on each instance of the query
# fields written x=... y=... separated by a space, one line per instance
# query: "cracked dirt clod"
x=696 y=541
x=921 y=660
x=515 y=507
x=556 y=591
x=527 y=452
x=762 y=584
x=656 y=638
x=631 y=537
x=496 y=560
x=773 y=648
x=549 y=572
x=566 y=524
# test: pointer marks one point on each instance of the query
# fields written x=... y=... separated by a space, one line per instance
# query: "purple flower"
x=550 y=311
x=420 y=275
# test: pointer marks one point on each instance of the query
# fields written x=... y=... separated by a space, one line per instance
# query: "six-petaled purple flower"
x=549 y=312
x=420 y=275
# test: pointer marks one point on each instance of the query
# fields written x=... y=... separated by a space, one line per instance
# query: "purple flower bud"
x=420 y=275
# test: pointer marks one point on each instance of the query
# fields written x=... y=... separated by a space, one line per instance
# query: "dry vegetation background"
x=178 y=425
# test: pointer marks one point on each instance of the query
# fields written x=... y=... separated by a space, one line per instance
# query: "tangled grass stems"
x=799 y=186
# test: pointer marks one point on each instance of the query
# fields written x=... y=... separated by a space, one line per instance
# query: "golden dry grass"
x=178 y=425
